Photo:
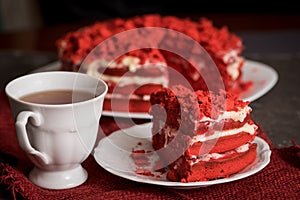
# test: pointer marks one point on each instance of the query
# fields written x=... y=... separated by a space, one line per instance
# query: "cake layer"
x=184 y=171
x=222 y=144
x=134 y=68
x=118 y=98
x=128 y=90
x=169 y=138
x=206 y=126
x=126 y=105
x=216 y=134
x=136 y=80
x=129 y=72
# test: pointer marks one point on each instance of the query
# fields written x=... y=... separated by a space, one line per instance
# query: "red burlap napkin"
x=279 y=180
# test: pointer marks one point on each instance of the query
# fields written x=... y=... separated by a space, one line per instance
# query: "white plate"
x=113 y=153
x=263 y=76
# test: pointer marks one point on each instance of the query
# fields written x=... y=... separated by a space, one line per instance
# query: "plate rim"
x=273 y=74
x=263 y=146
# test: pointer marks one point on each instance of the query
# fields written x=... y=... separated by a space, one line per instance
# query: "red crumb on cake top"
x=76 y=45
x=118 y=46
x=223 y=101
x=198 y=104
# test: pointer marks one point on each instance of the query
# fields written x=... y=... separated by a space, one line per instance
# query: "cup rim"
x=10 y=95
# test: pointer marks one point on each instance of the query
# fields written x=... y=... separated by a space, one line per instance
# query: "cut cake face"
x=202 y=135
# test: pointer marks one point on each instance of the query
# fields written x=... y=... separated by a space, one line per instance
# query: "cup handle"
x=22 y=120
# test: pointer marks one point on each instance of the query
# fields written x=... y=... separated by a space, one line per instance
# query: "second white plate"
x=263 y=76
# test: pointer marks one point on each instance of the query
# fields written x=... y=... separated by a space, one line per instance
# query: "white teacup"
x=57 y=138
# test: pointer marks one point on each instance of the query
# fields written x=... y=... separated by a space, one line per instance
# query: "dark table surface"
x=278 y=111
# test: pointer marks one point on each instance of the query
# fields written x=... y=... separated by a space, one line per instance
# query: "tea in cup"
x=57 y=119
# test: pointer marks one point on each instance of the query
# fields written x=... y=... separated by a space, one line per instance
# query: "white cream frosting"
x=132 y=63
x=132 y=96
x=233 y=69
x=137 y=80
x=215 y=156
x=248 y=128
x=98 y=63
x=233 y=60
x=239 y=115
x=231 y=55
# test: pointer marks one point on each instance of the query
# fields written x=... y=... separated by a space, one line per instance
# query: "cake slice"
x=202 y=135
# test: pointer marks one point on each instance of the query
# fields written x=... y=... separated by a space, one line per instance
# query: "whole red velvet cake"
x=202 y=135
x=146 y=69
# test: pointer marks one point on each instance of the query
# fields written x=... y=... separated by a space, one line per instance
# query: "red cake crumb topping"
x=140 y=157
x=142 y=162
x=197 y=104
x=76 y=45
x=211 y=105
x=144 y=172
x=122 y=38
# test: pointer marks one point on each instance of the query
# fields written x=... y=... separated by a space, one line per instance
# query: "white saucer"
x=113 y=153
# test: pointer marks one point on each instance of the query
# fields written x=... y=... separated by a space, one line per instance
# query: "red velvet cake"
x=223 y=47
x=202 y=135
